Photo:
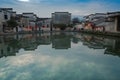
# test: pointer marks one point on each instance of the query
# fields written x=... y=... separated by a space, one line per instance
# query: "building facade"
x=61 y=18
x=109 y=22
x=32 y=20
x=5 y=15
x=44 y=24
x=113 y=22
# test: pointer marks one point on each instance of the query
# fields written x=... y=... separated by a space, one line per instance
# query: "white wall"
x=110 y=27
x=30 y=16
x=46 y=23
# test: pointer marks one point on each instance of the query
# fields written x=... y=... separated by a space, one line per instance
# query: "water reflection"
x=62 y=41
x=9 y=45
x=59 y=56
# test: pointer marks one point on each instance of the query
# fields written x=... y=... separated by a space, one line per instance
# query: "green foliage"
x=62 y=26
x=12 y=23
x=14 y=43
x=70 y=25
x=75 y=20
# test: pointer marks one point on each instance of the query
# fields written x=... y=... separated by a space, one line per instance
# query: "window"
x=5 y=17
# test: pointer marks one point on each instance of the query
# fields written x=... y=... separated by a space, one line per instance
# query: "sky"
x=44 y=8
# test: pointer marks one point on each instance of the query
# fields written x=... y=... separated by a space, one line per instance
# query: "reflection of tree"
x=112 y=45
x=44 y=40
x=114 y=49
x=14 y=44
x=110 y=51
x=8 y=48
x=9 y=45
x=93 y=42
x=75 y=40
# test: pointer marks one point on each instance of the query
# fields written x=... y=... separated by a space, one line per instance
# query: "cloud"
x=24 y=0
x=30 y=65
x=44 y=8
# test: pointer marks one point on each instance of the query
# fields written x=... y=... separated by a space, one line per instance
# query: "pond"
x=59 y=56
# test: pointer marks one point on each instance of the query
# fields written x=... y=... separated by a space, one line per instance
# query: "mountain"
x=80 y=17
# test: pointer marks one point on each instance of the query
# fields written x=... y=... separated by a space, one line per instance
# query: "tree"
x=75 y=20
x=61 y=26
x=70 y=25
x=12 y=23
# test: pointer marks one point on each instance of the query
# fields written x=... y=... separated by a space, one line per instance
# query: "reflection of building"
x=5 y=49
x=61 y=42
x=93 y=42
x=9 y=45
x=61 y=18
x=27 y=42
x=29 y=45
x=113 y=48
x=64 y=43
x=31 y=42
x=45 y=39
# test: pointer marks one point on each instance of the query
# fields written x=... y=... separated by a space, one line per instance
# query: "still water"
x=59 y=56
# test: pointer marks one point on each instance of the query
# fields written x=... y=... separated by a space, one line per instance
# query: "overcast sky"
x=44 y=8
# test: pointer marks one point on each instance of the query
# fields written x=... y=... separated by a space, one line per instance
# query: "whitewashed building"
x=96 y=18
x=110 y=22
x=32 y=19
x=44 y=24
x=113 y=22
x=61 y=18
x=5 y=15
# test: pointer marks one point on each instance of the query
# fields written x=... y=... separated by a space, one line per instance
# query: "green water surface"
x=59 y=56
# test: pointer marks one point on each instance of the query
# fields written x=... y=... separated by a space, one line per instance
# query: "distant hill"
x=77 y=16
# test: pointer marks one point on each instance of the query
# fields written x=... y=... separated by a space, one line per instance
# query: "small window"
x=47 y=26
x=5 y=16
